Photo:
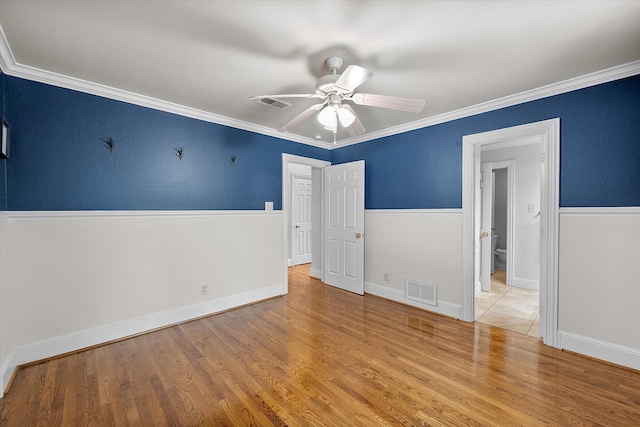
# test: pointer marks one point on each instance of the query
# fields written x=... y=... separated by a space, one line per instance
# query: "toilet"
x=501 y=259
x=494 y=245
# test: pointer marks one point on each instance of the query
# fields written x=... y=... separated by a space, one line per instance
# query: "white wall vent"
x=426 y=293
x=275 y=103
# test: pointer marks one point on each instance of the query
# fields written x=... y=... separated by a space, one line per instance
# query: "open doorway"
x=547 y=134
x=337 y=217
x=291 y=166
x=510 y=254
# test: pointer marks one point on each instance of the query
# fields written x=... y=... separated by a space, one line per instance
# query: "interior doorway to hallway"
x=337 y=253
x=291 y=165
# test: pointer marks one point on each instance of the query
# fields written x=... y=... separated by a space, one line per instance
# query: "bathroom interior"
x=515 y=305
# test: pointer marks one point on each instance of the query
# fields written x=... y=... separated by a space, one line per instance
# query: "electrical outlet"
x=205 y=289
x=386 y=277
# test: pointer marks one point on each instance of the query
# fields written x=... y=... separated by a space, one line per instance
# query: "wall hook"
x=233 y=160
x=109 y=143
x=179 y=152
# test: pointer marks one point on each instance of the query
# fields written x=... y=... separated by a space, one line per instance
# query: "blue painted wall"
x=3 y=162
x=59 y=161
x=599 y=152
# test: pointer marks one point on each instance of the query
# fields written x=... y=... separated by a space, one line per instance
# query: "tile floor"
x=507 y=307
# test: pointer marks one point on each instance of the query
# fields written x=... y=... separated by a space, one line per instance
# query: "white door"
x=486 y=190
x=301 y=220
x=344 y=226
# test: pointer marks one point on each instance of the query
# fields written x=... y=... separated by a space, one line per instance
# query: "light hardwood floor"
x=322 y=356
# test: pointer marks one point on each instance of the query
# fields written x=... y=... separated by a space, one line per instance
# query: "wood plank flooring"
x=323 y=357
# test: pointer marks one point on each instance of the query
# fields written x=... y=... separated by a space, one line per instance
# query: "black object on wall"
x=4 y=153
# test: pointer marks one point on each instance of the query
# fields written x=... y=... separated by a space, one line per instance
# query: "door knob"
x=359 y=235
x=485 y=234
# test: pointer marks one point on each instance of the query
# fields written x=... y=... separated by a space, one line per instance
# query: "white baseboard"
x=444 y=308
x=613 y=353
x=6 y=371
x=90 y=337
x=315 y=273
x=519 y=282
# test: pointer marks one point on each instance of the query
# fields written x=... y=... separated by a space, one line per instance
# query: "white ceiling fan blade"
x=301 y=117
x=353 y=77
x=286 y=95
x=356 y=128
x=391 y=102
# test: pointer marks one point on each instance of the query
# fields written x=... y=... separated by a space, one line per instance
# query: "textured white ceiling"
x=213 y=55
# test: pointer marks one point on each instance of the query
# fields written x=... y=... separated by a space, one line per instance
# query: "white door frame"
x=286 y=206
x=548 y=133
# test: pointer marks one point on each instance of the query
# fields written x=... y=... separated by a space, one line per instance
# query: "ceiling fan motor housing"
x=326 y=85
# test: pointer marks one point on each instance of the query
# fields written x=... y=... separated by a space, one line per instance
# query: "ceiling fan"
x=335 y=88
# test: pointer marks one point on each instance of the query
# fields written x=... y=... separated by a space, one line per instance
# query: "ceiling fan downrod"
x=334 y=64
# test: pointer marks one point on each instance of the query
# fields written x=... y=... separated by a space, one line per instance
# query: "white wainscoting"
x=77 y=279
x=5 y=344
x=599 y=283
x=423 y=245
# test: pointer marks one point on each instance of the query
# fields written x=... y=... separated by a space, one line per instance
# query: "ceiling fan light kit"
x=346 y=116
x=335 y=88
x=327 y=117
x=330 y=115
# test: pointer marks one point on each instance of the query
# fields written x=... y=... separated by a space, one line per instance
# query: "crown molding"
x=592 y=79
x=10 y=67
x=5 y=53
